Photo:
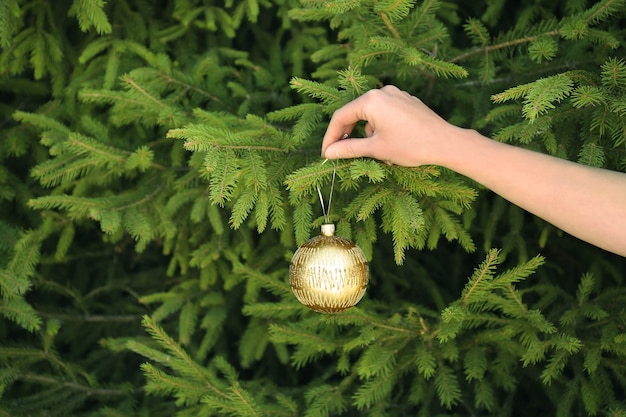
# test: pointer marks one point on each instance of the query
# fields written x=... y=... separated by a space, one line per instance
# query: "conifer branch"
x=291 y=331
x=189 y=87
x=388 y=23
x=109 y=153
x=190 y=144
x=89 y=390
x=519 y=302
x=275 y=286
x=92 y=318
x=484 y=271
x=145 y=199
x=108 y=97
x=602 y=10
x=246 y=401
x=502 y=45
x=371 y=321
x=132 y=83
x=428 y=7
x=599 y=11
x=172 y=346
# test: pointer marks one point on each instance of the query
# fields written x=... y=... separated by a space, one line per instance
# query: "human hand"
x=400 y=129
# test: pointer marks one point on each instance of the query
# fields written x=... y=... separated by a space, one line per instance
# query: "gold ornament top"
x=328 y=229
x=328 y=273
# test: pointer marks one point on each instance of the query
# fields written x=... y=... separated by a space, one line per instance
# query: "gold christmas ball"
x=328 y=273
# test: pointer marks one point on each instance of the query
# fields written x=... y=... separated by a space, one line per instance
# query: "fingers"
x=334 y=144
x=348 y=148
x=342 y=123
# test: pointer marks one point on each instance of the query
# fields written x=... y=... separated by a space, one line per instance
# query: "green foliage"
x=160 y=164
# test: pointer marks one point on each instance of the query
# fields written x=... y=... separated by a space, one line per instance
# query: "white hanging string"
x=326 y=211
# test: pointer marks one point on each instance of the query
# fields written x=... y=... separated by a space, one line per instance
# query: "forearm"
x=586 y=202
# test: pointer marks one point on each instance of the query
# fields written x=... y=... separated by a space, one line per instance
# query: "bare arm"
x=586 y=202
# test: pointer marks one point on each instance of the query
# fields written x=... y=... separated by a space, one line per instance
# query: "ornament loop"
x=326 y=211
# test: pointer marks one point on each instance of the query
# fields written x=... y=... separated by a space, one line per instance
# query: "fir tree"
x=160 y=164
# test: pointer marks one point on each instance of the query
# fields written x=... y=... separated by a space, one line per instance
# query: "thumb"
x=348 y=148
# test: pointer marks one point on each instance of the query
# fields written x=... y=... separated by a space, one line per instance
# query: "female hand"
x=400 y=129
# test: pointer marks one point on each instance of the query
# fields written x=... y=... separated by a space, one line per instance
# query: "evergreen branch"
x=517 y=299
x=386 y=19
x=294 y=335
x=425 y=360
x=246 y=400
x=41 y=121
x=327 y=94
x=90 y=13
x=365 y=55
x=359 y=316
x=368 y=202
x=484 y=271
x=426 y=9
x=132 y=83
x=275 y=286
x=272 y=310
x=305 y=179
x=614 y=72
x=518 y=272
x=185 y=389
x=352 y=79
x=502 y=45
x=585 y=288
x=12 y=285
x=92 y=318
x=403 y=217
x=375 y=390
x=447 y=386
x=555 y=367
x=475 y=363
x=224 y=181
x=22 y=313
x=146 y=197
x=140 y=348
x=89 y=390
x=602 y=10
x=10 y=13
x=189 y=87
x=9 y=236
x=86 y=146
x=441 y=68
x=167 y=342
x=62 y=169
x=26 y=255
x=190 y=144
x=225 y=407
x=106 y=96
x=593 y=15
x=378 y=360
x=35 y=354
x=543 y=93
x=324 y=400
x=478 y=32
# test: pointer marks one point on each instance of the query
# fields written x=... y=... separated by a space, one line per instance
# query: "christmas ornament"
x=328 y=273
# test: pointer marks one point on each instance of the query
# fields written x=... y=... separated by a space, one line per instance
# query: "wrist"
x=455 y=147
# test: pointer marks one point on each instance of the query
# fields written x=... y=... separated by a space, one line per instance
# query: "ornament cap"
x=328 y=229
